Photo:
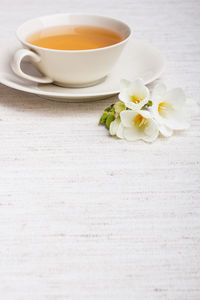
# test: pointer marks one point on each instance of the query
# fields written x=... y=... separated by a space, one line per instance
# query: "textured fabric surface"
x=87 y=216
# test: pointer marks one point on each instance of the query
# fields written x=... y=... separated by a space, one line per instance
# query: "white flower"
x=134 y=94
x=138 y=125
x=168 y=109
x=116 y=128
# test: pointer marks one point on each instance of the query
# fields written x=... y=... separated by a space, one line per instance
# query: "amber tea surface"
x=75 y=37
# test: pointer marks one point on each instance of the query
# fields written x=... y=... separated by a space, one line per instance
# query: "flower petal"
x=177 y=123
x=127 y=117
x=138 y=88
x=132 y=134
x=120 y=131
x=124 y=87
x=135 y=89
x=114 y=126
x=159 y=91
x=151 y=131
x=175 y=115
x=134 y=106
x=124 y=96
x=176 y=97
x=165 y=131
x=145 y=113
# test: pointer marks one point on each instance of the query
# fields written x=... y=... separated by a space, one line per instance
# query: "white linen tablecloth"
x=87 y=216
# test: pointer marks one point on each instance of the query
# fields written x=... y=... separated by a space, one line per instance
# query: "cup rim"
x=72 y=51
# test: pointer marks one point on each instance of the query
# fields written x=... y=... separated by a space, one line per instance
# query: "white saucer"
x=139 y=59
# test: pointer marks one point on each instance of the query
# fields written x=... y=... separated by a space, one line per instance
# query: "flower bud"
x=110 y=118
x=119 y=106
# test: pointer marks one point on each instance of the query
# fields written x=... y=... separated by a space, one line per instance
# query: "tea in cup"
x=71 y=50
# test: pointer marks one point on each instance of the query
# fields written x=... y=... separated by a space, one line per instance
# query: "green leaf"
x=110 y=118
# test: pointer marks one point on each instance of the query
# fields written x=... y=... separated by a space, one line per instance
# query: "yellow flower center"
x=136 y=99
x=140 y=121
x=163 y=108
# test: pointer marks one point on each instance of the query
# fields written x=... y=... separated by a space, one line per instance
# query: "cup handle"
x=16 y=66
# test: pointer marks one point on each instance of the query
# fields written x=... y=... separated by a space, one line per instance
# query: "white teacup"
x=72 y=68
